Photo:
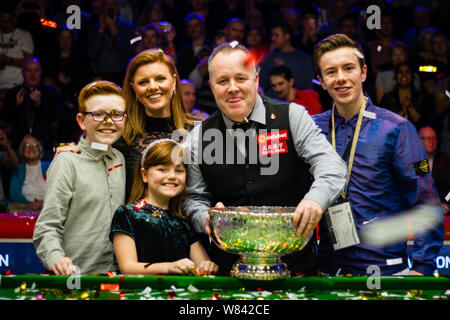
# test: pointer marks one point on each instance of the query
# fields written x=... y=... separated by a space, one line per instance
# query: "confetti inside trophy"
x=260 y=235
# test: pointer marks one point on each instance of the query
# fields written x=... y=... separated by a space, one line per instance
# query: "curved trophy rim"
x=254 y=211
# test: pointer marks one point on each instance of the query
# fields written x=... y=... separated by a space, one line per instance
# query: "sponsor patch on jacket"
x=270 y=136
x=421 y=167
x=269 y=149
x=272 y=143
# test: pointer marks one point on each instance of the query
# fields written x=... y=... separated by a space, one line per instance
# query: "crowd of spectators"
x=44 y=61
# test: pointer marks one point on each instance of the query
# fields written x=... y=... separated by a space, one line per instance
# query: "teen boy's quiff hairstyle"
x=334 y=42
x=95 y=88
x=160 y=154
x=136 y=116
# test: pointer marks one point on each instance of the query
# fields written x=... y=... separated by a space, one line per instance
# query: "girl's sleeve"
x=122 y=222
x=192 y=235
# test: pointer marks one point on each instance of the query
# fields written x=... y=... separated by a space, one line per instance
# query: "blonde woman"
x=154 y=103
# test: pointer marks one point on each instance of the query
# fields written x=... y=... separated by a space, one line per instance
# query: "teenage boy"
x=387 y=171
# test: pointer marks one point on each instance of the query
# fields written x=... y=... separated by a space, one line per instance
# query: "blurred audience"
x=168 y=34
x=421 y=19
x=283 y=52
x=67 y=69
x=255 y=19
x=283 y=85
x=255 y=42
x=442 y=110
x=15 y=47
x=309 y=30
x=293 y=19
x=108 y=46
x=189 y=30
x=29 y=14
x=8 y=161
x=150 y=38
x=385 y=81
x=197 y=47
x=234 y=30
x=425 y=46
x=441 y=59
x=153 y=12
x=405 y=100
x=32 y=108
x=27 y=185
x=438 y=163
x=337 y=11
x=380 y=55
x=189 y=98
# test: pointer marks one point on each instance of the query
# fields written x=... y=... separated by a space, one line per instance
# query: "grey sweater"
x=82 y=193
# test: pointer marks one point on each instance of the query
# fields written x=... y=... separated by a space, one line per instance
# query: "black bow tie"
x=242 y=125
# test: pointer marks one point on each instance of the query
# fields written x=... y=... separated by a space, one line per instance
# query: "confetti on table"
x=192 y=288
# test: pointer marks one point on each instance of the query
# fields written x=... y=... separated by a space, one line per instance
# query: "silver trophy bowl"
x=260 y=235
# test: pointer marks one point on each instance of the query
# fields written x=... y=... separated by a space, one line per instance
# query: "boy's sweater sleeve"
x=49 y=229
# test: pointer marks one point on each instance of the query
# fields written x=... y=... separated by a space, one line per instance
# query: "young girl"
x=150 y=234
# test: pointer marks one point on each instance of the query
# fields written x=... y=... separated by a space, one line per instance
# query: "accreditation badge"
x=341 y=226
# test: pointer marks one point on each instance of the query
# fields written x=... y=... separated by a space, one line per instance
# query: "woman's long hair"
x=159 y=154
x=135 y=124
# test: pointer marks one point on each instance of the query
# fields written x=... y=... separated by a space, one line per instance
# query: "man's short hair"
x=334 y=42
x=151 y=27
x=226 y=47
x=420 y=8
x=194 y=16
x=399 y=45
x=232 y=20
x=285 y=28
x=439 y=33
x=282 y=71
x=30 y=60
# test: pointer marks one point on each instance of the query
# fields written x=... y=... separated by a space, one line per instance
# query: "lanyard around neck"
x=354 y=142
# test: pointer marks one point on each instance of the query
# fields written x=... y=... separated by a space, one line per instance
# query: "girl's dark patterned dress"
x=159 y=235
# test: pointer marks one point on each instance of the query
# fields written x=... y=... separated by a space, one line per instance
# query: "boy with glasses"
x=84 y=189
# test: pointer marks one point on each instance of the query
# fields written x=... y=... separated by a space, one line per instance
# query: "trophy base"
x=257 y=268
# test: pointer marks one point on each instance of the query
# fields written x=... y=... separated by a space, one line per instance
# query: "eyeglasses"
x=101 y=116
x=29 y=145
x=429 y=138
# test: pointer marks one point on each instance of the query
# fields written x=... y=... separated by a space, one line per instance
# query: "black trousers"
x=304 y=262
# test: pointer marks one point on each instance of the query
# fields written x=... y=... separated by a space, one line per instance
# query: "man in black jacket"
x=289 y=164
x=32 y=108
